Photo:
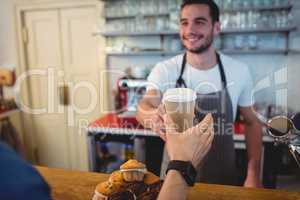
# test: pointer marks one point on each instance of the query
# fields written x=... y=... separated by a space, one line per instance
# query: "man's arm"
x=253 y=133
x=149 y=112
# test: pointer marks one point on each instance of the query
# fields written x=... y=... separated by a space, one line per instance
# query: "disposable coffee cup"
x=180 y=106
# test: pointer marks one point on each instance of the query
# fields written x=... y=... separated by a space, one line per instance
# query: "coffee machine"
x=286 y=131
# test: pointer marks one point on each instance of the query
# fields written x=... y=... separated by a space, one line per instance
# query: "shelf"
x=257 y=51
x=175 y=32
x=150 y=33
x=258 y=30
x=261 y=8
x=226 y=51
x=133 y=16
x=145 y=53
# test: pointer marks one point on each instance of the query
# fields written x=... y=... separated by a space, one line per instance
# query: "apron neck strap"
x=221 y=69
x=180 y=82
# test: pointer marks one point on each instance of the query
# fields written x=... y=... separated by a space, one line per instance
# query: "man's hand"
x=192 y=144
x=253 y=181
x=157 y=122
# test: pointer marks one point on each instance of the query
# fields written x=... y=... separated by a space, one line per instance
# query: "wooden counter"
x=74 y=185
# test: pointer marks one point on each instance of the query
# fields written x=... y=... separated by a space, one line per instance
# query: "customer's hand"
x=191 y=145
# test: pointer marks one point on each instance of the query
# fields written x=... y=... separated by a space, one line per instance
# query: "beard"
x=208 y=41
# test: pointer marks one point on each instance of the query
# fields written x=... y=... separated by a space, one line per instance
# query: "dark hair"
x=213 y=7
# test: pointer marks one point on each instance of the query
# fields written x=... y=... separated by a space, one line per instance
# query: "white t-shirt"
x=239 y=82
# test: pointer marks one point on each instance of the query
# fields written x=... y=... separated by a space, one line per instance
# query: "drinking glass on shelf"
x=290 y=19
x=139 y=23
x=106 y=10
x=264 y=20
x=143 y=7
x=236 y=5
x=174 y=20
x=256 y=3
x=225 y=20
x=286 y=18
x=241 y=20
x=277 y=2
x=162 y=7
x=120 y=7
x=278 y=20
x=153 y=24
x=130 y=25
x=227 y=4
x=110 y=9
x=250 y=19
x=234 y=20
x=172 y=5
x=256 y=19
x=267 y=3
x=159 y=24
x=153 y=6
x=245 y=3
x=252 y=41
x=125 y=7
x=132 y=7
x=239 y=42
x=283 y=18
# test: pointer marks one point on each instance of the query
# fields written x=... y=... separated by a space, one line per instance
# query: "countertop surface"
x=120 y=124
x=75 y=185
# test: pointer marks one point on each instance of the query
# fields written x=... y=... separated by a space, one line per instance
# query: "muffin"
x=105 y=189
x=116 y=178
x=150 y=178
x=133 y=170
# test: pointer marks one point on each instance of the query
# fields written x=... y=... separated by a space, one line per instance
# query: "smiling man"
x=223 y=86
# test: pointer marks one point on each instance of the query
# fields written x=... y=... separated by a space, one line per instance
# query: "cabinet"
x=59 y=50
x=259 y=26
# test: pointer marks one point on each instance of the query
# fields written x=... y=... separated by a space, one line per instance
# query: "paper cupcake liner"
x=134 y=170
x=97 y=195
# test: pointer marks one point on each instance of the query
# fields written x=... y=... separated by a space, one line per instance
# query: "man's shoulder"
x=234 y=65
x=172 y=62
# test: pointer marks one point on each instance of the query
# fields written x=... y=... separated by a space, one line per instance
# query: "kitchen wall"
x=8 y=51
x=8 y=54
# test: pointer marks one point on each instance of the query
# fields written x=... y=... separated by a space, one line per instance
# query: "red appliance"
x=130 y=91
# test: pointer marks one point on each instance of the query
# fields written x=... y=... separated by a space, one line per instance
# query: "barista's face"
x=196 y=28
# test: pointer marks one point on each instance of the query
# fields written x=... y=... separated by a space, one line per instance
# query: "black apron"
x=218 y=167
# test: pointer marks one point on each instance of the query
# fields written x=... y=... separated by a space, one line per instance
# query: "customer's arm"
x=20 y=180
x=191 y=145
x=253 y=134
x=174 y=187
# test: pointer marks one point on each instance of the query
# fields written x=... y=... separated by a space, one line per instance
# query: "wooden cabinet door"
x=44 y=57
x=82 y=74
x=61 y=41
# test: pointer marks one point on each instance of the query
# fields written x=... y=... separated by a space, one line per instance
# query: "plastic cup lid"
x=179 y=95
